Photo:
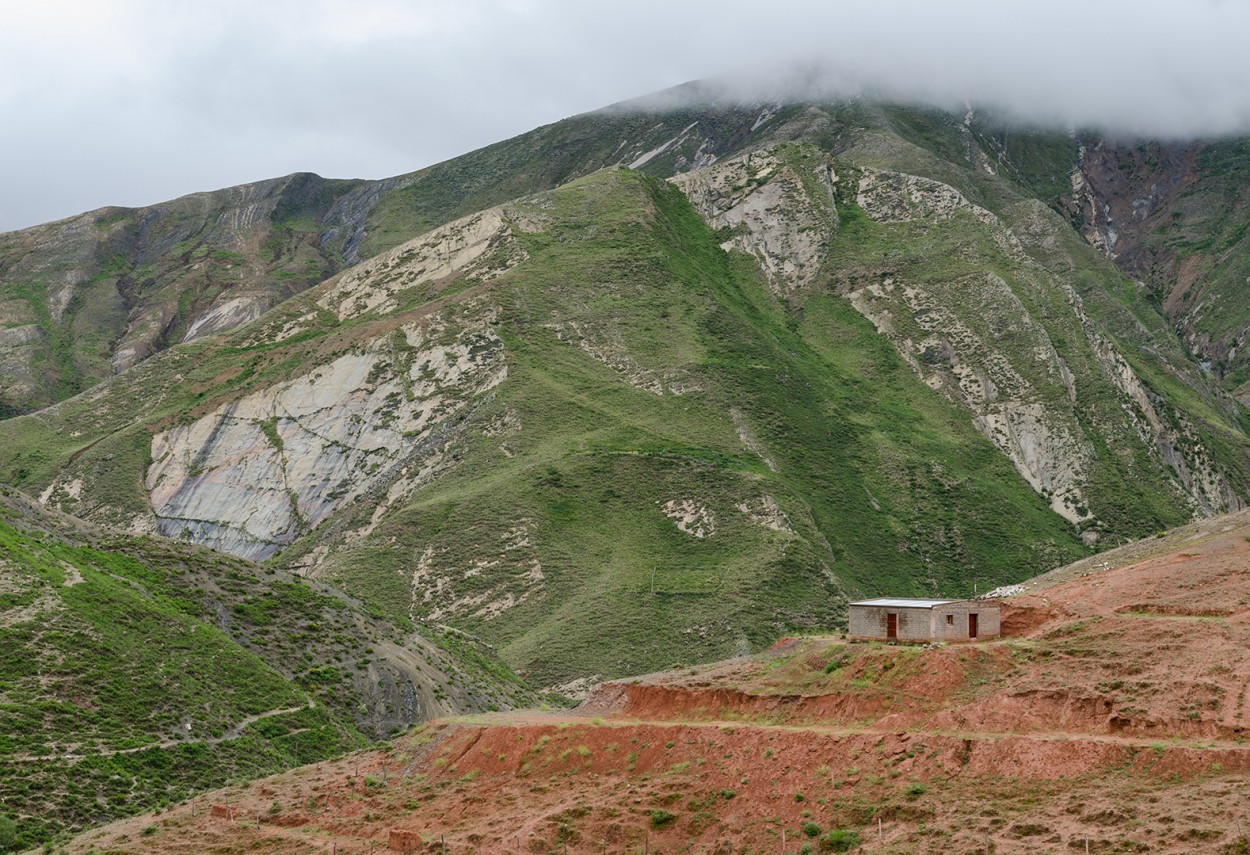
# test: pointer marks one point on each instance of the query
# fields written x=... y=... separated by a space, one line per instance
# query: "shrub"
x=661 y=818
x=811 y=829
x=840 y=840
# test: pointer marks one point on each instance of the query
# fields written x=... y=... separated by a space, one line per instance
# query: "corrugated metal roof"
x=903 y=603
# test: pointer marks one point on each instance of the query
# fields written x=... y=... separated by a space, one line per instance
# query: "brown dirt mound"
x=1021 y=621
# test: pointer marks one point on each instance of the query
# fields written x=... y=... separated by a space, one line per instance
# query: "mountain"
x=812 y=372
x=462 y=432
x=135 y=672
x=1112 y=715
x=641 y=388
x=1175 y=217
x=90 y=296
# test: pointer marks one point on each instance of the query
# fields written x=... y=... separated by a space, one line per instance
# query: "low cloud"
x=135 y=101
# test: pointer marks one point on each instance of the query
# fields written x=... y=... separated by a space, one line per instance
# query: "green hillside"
x=135 y=672
x=883 y=485
x=649 y=377
x=315 y=460
x=115 y=700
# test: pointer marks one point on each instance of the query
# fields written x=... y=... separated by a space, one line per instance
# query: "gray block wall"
x=988 y=621
x=870 y=622
x=925 y=624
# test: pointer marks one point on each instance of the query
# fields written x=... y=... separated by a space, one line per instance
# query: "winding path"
x=234 y=732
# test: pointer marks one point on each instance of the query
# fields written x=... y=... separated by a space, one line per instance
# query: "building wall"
x=870 y=622
x=925 y=624
x=988 y=621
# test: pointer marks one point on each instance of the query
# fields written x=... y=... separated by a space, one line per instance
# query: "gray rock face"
x=481 y=246
x=974 y=339
x=258 y=472
x=763 y=201
x=255 y=474
x=345 y=221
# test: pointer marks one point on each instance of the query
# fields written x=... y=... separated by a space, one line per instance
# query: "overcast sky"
x=132 y=102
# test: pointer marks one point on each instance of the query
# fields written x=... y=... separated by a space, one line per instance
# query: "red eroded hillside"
x=1112 y=716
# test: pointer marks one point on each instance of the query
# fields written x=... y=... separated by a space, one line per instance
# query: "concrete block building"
x=904 y=619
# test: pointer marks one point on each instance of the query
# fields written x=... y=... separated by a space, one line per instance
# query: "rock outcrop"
x=256 y=473
x=775 y=204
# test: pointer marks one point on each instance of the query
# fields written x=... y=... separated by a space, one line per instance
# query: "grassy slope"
x=1030 y=164
x=1206 y=421
x=545 y=158
x=110 y=642
x=97 y=655
x=861 y=448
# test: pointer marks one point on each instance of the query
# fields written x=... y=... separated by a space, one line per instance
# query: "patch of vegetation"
x=661 y=818
x=840 y=840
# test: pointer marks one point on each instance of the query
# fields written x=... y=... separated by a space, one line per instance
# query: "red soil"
x=1114 y=714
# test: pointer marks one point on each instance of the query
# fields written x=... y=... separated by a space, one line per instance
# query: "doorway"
x=972 y=625
x=891 y=625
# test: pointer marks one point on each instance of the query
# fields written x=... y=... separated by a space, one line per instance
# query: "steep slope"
x=572 y=426
x=86 y=297
x=875 y=366
x=1172 y=215
x=1176 y=217
x=1112 y=717
x=92 y=295
x=983 y=308
x=136 y=672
